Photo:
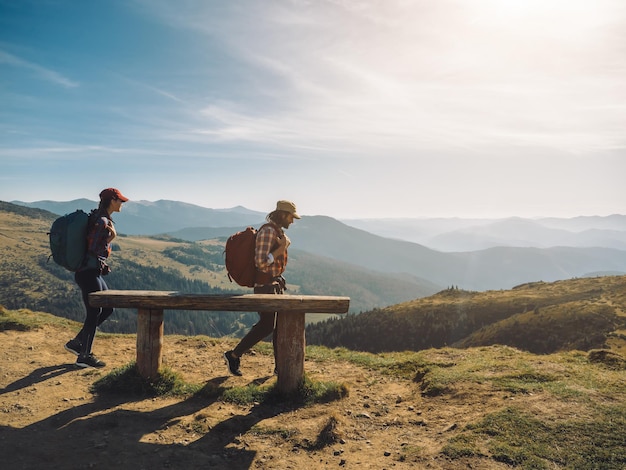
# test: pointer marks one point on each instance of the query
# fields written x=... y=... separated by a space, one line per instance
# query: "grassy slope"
x=539 y=317
x=28 y=279
x=529 y=402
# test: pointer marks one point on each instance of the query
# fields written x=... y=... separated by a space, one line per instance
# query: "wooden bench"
x=290 y=322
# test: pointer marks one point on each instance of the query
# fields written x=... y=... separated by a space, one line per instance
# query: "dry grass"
x=489 y=407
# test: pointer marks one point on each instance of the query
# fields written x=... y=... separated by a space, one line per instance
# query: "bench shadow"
x=102 y=434
x=39 y=375
x=228 y=431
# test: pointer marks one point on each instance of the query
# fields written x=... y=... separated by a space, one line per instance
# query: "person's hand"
x=112 y=232
x=282 y=244
x=284 y=241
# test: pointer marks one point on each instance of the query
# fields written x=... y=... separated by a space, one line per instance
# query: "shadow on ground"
x=102 y=434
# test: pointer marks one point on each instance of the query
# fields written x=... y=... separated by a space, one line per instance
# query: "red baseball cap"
x=112 y=193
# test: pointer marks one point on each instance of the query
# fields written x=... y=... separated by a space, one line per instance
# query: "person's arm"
x=99 y=243
x=112 y=232
x=281 y=246
x=263 y=256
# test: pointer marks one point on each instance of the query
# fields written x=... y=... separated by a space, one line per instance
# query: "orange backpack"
x=239 y=259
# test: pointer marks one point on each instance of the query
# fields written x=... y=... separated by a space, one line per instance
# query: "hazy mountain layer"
x=498 y=267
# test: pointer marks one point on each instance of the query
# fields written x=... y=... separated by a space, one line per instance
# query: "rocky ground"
x=50 y=419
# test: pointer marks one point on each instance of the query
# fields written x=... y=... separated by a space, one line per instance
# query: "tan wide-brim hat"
x=287 y=206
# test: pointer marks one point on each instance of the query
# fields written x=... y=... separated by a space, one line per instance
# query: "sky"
x=349 y=108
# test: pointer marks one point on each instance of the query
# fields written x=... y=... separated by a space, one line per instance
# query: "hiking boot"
x=74 y=346
x=89 y=361
x=233 y=363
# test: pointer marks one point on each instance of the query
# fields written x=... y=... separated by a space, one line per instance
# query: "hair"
x=103 y=207
x=277 y=216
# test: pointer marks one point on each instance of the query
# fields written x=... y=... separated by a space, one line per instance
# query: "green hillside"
x=455 y=380
x=538 y=317
x=29 y=279
x=491 y=408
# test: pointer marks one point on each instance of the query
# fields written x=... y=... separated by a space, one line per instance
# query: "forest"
x=538 y=317
x=127 y=274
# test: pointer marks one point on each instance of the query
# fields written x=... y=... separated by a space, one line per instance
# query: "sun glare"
x=557 y=16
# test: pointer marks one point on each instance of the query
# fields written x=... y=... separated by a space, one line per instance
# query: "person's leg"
x=260 y=330
x=88 y=281
x=96 y=318
x=105 y=312
x=263 y=328
x=265 y=325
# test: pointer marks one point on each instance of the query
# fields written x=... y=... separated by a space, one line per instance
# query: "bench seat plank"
x=231 y=303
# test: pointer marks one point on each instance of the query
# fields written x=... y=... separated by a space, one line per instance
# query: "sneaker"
x=89 y=361
x=232 y=362
x=73 y=346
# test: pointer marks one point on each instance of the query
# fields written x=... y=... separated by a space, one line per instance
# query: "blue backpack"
x=68 y=239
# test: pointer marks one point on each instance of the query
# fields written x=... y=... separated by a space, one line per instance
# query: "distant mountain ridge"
x=327 y=258
x=189 y=221
x=477 y=234
x=30 y=279
x=158 y=217
x=494 y=267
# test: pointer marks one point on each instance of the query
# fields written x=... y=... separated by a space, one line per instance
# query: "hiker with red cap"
x=89 y=277
x=270 y=258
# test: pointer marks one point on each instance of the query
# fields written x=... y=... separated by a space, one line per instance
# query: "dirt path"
x=50 y=419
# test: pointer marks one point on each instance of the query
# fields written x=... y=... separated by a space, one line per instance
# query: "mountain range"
x=508 y=251
x=395 y=285
x=30 y=279
x=442 y=234
x=159 y=217
x=457 y=234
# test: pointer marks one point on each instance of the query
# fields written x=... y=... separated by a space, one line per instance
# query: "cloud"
x=419 y=76
x=42 y=72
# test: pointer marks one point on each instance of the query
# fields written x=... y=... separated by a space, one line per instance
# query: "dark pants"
x=89 y=281
x=264 y=327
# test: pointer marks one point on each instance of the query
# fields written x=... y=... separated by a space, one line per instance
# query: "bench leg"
x=290 y=344
x=149 y=341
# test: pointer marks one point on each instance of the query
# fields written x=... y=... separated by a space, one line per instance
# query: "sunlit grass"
x=517 y=438
x=575 y=416
x=502 y=368
x=26 y=320
x=126 y=380
x=308 y=393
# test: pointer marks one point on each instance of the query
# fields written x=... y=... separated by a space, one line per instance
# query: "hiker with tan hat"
x=270 y=258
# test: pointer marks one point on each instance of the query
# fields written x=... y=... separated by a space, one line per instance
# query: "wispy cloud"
x=42 y=72
x=414 y=76
x=152 y=88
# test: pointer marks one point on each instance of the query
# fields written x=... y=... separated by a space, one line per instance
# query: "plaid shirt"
x=97 y=237
x=266 y=239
